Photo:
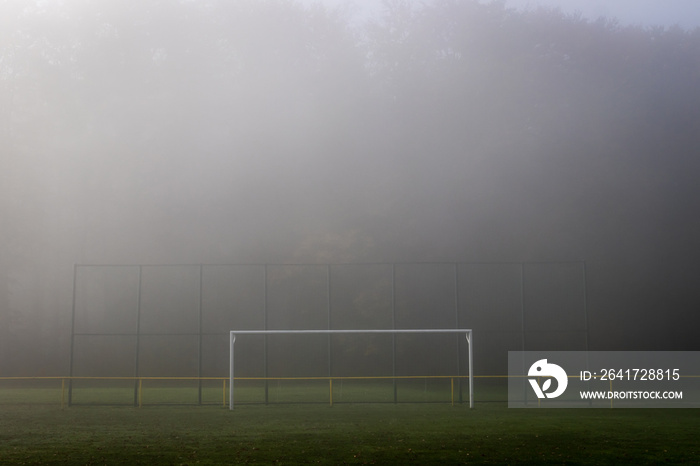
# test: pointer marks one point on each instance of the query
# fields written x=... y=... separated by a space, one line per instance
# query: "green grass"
x=345 y=433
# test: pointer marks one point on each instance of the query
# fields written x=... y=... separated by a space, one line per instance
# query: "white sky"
x=685 y=13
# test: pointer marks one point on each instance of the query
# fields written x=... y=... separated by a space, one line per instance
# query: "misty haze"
x=171 y=171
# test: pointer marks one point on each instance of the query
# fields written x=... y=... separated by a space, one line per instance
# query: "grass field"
x=356 y=433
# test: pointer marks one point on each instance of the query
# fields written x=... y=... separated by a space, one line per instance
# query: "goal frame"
x=466 y=332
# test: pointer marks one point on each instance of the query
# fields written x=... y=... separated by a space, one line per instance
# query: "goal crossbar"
x=466 y=332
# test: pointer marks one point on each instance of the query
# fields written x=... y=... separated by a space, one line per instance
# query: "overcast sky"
x=685 y=13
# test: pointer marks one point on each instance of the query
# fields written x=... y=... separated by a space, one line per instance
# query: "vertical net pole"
x=72 y=337
x=265 y=352
x=522 y=321
x=393 y=326
x=199 y=338
x=138 y=336
x=459 y=359
x=232 y=340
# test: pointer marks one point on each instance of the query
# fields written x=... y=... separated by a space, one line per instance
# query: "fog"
x=683 y=13
x=220 y=132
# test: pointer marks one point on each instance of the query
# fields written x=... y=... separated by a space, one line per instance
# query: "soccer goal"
x=466 y=332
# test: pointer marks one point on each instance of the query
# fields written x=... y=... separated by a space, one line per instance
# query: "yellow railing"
x=67 y=383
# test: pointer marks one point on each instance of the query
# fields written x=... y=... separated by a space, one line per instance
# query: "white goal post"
x=466 y=332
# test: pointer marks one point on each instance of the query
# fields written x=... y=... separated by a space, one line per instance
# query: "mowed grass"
x=358 y=433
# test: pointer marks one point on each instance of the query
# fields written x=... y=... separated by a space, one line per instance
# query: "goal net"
x=466 y=332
